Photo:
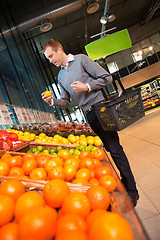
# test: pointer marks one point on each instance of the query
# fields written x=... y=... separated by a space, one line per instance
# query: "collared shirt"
x=70 y=59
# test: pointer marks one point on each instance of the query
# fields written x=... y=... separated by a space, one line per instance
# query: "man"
x=82 y=79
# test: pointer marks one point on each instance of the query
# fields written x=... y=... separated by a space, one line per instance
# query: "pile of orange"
x=58 y=214
x=84 y=168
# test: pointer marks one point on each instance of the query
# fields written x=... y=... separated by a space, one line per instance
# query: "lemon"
x=26 y=133
x=64 y=141
x=44 y=140
x=32 y=136
x=72 y=138
x=97 y=142
x=42 y=135
x=37 y=140
x=83 y=142
x=20 y=133
x=55 y=141
x=90 y=140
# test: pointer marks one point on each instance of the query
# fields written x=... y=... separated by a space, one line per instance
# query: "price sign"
x=31 y=116
x=52 y=117
x=5 y=116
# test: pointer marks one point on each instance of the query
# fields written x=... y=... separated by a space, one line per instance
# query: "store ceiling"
x=72 y=25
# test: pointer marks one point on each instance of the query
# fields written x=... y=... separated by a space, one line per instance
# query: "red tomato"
x=3 y=134
x=7 y=144
x=13 y=136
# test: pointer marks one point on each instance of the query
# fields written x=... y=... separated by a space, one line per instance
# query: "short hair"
x=54 y=44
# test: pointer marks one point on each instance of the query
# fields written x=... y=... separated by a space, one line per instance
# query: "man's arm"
x=64 y=101
x=97 y=73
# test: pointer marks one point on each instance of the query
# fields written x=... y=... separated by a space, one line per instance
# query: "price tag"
x=5 y=116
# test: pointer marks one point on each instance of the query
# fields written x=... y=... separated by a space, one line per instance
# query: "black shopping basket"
x=118 y=112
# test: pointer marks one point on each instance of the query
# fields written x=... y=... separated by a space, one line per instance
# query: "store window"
x=137 y=56
x=112 y=67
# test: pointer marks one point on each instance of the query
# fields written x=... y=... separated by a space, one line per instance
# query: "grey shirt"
x=85 y=70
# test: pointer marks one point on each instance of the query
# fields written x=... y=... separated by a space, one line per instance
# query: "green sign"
x=108 y=45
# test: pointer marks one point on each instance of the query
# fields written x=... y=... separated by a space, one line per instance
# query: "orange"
x=29 y=165
x=73 y=161
x=98 y=197
x=85 y=153
x=64 y=154
x=48 y=93
x=38 y=224
x=80 y=181
x=38 y=174
x=4 y=168
x=97 y=163
x=15 y=172
x=88 y=163
x=15 y=161
x=23 y=176
x=92 y=175
x=70 y=172
x=28 y=202
x=101 y=171
x=94 y=215
x=51 y=163
x=5 y=157
x=28 y=155
x=70 y=222
x=12 y=188
x=83 y=173
x=9 y=231
x=57 y=172
x=54 y=192
x=108 y=182
x=74 y=234
x=110 y=226
x=94 y=181
x=98 y=154
x=6 y=209
x=41 y=160
x=76 y=202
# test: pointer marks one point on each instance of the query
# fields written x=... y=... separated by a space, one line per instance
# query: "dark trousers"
x=111 y=143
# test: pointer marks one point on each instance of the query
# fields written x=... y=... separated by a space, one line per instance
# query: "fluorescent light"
x=150 y=48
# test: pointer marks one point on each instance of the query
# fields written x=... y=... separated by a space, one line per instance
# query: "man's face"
x=54 y=57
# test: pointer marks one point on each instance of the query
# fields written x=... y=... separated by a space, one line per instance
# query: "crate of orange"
x=57 y=213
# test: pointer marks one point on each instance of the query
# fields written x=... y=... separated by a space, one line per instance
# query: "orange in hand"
x=48 y=93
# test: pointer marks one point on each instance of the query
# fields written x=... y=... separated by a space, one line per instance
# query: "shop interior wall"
x=141 y=75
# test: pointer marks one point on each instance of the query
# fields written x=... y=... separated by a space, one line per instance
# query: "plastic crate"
x=118 y=113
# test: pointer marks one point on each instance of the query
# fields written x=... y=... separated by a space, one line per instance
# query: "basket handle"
x=115 y=78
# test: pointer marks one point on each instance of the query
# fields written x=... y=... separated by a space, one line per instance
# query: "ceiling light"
x=45 y=26
x=103 y=20
x=150 y=48
x=106 y=19
x=92 y=6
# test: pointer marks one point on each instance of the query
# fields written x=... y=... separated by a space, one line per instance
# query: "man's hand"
x=46 y=99
x=79 y=86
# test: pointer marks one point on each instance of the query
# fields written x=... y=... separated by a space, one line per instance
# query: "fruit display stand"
x=119 y=201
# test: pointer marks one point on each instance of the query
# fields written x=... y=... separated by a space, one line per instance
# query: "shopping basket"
x=118 y=112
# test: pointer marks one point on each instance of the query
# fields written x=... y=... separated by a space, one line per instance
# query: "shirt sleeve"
x=64 y=101
x=100 y=77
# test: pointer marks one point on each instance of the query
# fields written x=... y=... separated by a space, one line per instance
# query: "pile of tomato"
x=9 y=140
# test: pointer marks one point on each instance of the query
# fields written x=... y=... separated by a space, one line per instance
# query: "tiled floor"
x=141 y=142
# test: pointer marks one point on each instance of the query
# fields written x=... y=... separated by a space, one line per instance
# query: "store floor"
x=141 y=143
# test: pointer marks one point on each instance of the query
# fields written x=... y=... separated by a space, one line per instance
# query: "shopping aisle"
x=141 y=142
